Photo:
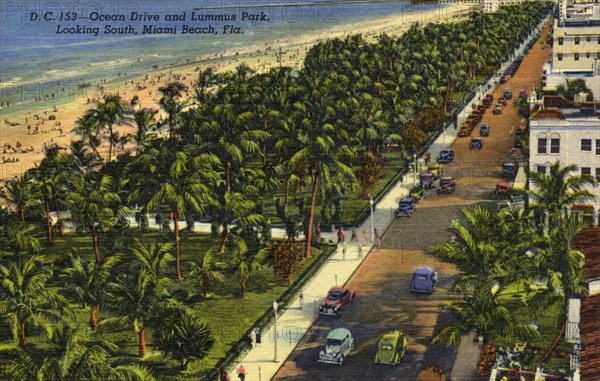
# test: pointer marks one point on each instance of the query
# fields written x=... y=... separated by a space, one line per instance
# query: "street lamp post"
x=415 y=166
x=372 y=227
x=275 y=329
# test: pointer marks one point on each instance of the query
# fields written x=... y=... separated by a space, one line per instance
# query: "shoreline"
x=24 y=134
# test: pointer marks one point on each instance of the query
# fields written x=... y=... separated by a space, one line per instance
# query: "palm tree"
x=140 y=296
x=88 y=126
x=170 y=105
x=484 y=313
x=245 y=262
x=556 y=191
x=112 y=111
x=90 y=280
x=42 y=186
x=209 y=272
x=17 y=238
x=235 y=208
x=18 y=194
x=94 y=206
x=25 y=297
x=176 y=179
x=144 y=119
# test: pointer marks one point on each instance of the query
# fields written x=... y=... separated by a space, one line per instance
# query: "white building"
x=493 y=5
x=570 y=133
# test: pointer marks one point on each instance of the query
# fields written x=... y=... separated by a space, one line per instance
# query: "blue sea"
x=47 y=46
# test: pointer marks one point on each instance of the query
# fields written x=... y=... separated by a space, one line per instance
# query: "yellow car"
x=435 y=169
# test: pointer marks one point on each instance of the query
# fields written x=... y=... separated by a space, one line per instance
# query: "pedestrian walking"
x=301 y=299
x=377 y=238
x=401 y=179
x=253 y=338
x=343 y=236
x=364 y=237
x=258 y=337
x=224 y=375
x=241 y=371
x=340 y=233
x=354 y=236
x=360 y=252
x=344 y=249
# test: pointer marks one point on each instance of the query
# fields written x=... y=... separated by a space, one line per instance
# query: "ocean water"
x=39 y=61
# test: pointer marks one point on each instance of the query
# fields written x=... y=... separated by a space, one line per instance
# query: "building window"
x=586 y=144
x=576 y=55
x=588 y=38
x=560 y=40
x=576 y=40
x=542 y=145
x=587 y=55
x=555 y=145
x=597 y=146
x=586 y=171
x=598 y=55
x=541 y=169
x=598 y=174
x=559 y=55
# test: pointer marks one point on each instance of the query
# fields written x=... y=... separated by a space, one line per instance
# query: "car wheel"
x=341 y=361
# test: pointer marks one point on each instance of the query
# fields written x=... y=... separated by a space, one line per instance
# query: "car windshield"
x=386 y=345
x=421 y=277
x=334 y=342
x=501 y=187
x=334 y=295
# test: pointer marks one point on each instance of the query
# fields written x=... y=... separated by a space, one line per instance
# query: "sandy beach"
x=25 y=135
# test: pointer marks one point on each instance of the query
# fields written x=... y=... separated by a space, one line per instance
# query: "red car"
x=338 y=298
x=503 y=188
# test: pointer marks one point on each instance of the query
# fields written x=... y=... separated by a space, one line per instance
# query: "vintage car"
x=484 y=130
x=446 y=156
x=497 y=109
x=509 y=170
x=447 y=185
x=338 y=345
x=501 y=101
x=521 y=128
x=338 y=298
x=475 y=143
x=507 y=93
x=488 y=99
x=423 y=280
x=434 y=168
x=522 y=94
x=503 y=188
x=391 y=348
x=406 y=207
x=426 y=179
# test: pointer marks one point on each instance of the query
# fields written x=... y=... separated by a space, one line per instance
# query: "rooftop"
x=588 y=242
x=589 y=328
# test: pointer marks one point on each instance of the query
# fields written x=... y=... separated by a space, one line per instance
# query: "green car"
x=391 y=348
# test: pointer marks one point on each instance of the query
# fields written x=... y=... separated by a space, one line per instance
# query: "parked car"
x=426 y=179
x=507 y=94
x=446 y=156
x=406 y=207
x=423 y=280
x=338 y=345
x=484 y=130
x=434 y=168
x=509 y=170
x=497 y=109
x=503 y=188
x=391 y=348
x=488 y=99
x=476 y=143
x=501 y=101
x=338 y=298
x=447 y=185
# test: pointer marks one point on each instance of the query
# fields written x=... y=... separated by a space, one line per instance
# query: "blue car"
x=509 y=170
x=476 y=143
x=424 y=280
x=484 y=130
x=446 y=156
x=406 y=207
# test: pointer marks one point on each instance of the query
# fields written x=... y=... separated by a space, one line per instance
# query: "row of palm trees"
x=509 y=255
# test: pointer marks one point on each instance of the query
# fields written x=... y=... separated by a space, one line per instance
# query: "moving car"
x=426 y=179
x=446 y=156
x=507 y=94
x=406 y=207
x=434 y=168
x=497 y=109
x=338 y=345
x=509 y=170
x=475 y=143
x=391 y=348
x=338 y=298
x=447 y=185
x=503 y=188
x=484 y=130
x=424 y=280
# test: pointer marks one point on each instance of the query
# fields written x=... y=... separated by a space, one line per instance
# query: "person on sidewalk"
x=401 y=179
x=224 y=375
x=377 y=238
x=364 y=237
x=360 y=252
x=253 y=338
x=241 y=371
x=354 y=236
x=258 y=338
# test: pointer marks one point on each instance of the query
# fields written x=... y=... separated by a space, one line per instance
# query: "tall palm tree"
x=89 y=282
x=558 y=190
x=18 y=194
x=208 y=272
x=235 y=208
x=153 y=257
x=144 y=119
x=17 y=238
x=25 y=297
x=169 y=103
x=42 y=187
x=89 y=126
x=94 y=206
x=165 y=176
x=110 y=112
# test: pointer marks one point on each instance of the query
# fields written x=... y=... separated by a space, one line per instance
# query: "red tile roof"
x=548 y=114
x=589 y=328
x=588 y=242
